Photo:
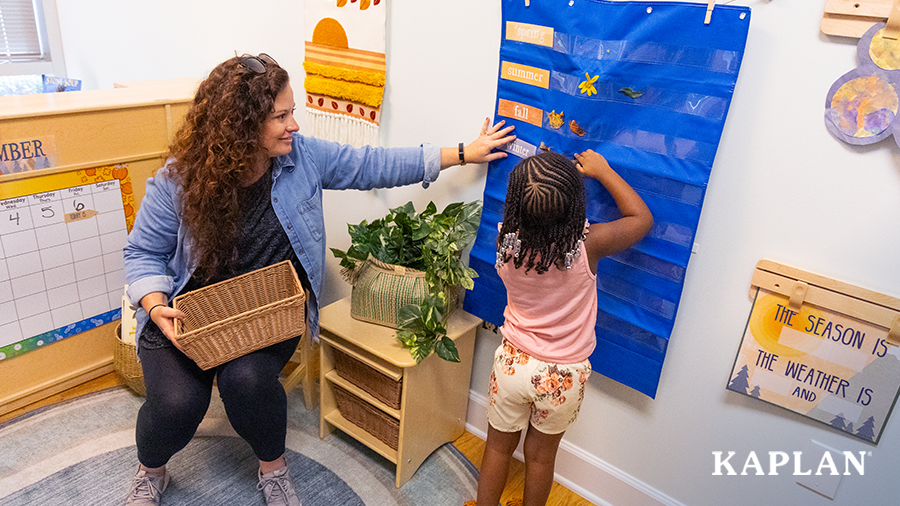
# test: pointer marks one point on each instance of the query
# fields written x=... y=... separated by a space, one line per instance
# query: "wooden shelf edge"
x=363 y=436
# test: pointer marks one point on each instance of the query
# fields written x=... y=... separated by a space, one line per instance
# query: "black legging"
x=178 y=395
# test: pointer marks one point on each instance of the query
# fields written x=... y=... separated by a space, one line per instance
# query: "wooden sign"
x=821 y=348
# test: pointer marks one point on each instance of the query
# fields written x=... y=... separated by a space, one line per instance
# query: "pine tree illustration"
x=755 y=392
x=740 y=383
x=867 y=429
x=849 y=427
x=838 y=422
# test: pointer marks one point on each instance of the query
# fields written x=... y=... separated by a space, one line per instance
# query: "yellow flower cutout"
x=587 y=86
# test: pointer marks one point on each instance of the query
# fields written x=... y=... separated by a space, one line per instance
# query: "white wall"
x=781 y=188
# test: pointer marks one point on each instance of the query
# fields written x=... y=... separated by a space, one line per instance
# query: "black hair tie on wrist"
x=150 y=312
x=462 y=153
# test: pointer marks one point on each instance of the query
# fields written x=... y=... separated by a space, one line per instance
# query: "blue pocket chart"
x=647 y=85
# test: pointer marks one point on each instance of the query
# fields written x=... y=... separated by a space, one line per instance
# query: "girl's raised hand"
x=592 y=164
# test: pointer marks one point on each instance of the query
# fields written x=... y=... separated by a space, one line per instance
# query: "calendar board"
x=61 y=266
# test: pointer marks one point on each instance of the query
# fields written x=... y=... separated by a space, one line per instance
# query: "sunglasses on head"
x=257 y=64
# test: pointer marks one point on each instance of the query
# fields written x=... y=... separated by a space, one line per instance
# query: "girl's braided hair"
x=545 y=205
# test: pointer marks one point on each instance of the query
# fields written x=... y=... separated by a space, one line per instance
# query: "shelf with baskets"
x=373 y=390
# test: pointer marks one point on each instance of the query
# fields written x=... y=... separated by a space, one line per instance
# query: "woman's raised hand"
x=481 y=150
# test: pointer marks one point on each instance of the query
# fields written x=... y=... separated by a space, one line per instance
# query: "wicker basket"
x=380 y=290
x=374 y=421
x=376 y=384
x=234 y=317
x=126 y=362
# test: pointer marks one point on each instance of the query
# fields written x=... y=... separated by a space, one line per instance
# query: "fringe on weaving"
x=341 y=128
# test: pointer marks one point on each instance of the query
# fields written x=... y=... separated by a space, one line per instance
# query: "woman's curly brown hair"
x=212 y=152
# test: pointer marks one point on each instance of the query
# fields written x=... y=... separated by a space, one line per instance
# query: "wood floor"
x=470 y=445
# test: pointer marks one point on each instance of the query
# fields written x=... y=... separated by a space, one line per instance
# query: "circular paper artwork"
x=861 y=106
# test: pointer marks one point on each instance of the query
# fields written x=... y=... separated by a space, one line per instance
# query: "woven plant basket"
x=367 y=378
x=126 y=363
x=374 y=421
x=380 y=290
x=234 y=317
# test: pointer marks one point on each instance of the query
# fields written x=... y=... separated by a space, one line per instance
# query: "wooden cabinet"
x=81 y=130
x=433 y=395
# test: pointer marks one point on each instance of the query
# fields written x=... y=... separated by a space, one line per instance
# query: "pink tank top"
x=551 y=316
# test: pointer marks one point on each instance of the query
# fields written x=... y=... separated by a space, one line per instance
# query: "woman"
x=243 y=190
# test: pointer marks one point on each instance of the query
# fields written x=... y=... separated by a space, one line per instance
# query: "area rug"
x=82 y=452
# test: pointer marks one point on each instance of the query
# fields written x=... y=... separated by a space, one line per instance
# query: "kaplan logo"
x=779 y=459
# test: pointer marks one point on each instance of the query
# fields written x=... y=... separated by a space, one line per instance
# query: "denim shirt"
x=158 y=256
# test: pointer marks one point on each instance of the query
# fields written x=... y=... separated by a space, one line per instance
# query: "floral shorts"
x=525 y=389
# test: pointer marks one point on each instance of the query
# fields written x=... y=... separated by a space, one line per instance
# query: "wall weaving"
x=648 y=85
x=345 y=69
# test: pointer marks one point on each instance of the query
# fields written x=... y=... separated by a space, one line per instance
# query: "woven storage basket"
x=376 y=384
x=380 y=290
x=371 y=419
x=126 y=362
x=234 y=317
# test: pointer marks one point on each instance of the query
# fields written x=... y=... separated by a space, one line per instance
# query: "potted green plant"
x=427 y=242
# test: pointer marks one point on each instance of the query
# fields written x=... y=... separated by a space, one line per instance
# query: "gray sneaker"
x=146 y=490
x=278 y=488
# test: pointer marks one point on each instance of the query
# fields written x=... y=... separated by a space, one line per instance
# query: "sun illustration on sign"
x=862 y=105
x=766 y=325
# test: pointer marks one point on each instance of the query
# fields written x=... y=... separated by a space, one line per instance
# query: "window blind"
x=19 y=36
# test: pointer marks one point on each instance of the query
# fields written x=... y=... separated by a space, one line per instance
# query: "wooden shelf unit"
x=434 y=396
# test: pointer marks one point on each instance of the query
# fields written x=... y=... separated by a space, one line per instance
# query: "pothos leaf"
x=630 y=93
x=446 y=349
x=410 y=318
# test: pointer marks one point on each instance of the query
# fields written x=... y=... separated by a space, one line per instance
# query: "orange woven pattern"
x=368 y=378
x=374 y=421
x=243 y=314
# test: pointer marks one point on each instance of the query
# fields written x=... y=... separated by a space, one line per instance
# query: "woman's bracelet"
x=150 y=312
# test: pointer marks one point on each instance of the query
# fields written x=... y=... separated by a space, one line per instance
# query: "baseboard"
x=55 y=386
x=581 y=472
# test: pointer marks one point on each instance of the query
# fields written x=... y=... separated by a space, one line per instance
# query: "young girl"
x=547 y=257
